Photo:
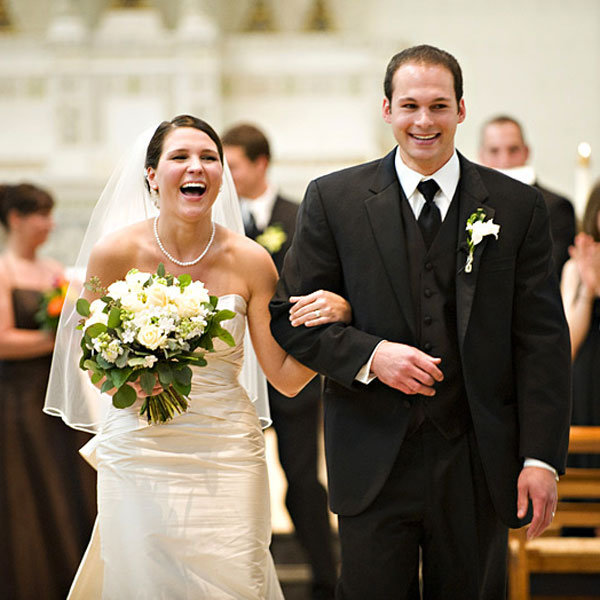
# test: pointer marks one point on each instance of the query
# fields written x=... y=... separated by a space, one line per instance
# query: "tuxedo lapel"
x=472 y=195
x=383 y=209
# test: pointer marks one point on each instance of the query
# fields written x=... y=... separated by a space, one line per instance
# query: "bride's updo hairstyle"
x=155 y=146
x=24 y=199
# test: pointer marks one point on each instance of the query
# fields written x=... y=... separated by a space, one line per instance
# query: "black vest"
x=433 y=290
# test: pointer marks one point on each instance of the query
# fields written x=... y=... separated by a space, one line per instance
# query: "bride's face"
x=189 y=172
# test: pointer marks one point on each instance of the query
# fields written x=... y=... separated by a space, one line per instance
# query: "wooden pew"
x=552 y=553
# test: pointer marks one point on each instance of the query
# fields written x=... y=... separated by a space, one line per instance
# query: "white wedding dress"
x=183 y=507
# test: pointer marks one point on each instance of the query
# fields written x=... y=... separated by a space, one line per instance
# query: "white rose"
x=151 y=337
x=97 y=306
x=135 y=279
x=96 y=317
x=132 y=302
x=118 y=289
x=156 y=295
x=189 y=303
x=197 y=290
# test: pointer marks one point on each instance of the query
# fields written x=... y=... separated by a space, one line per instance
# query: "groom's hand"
x=406 y=368
x=539 y=486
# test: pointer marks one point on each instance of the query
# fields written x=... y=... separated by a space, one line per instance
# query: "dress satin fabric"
x=183 y=507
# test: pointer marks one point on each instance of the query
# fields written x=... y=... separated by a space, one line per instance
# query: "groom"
x=447 y=402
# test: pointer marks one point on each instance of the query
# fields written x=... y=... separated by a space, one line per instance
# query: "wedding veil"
x=125 y=200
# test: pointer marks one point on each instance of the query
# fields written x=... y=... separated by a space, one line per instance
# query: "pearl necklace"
x=183 y=263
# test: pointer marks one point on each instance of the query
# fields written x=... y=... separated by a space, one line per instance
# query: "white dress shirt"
x=261 y=207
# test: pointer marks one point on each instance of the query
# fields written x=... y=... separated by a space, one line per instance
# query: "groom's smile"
x=424 y=114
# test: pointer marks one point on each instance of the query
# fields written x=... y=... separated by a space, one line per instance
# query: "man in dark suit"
x=502 y=146
x=270 y=219
x=447 y=397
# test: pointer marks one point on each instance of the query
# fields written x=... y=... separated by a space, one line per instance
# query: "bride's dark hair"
x=156 y=142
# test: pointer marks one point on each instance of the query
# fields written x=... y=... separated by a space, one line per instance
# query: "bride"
x=183 y=507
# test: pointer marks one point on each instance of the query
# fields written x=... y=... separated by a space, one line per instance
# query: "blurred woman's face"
x=33 y=228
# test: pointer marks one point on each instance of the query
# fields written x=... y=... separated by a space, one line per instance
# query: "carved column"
x=319 y=18
x=260 y=17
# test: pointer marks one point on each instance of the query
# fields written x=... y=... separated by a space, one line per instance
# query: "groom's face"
x=424 y=114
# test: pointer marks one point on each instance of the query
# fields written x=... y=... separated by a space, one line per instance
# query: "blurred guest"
x=46 y=490
x=270 y=219
x=503 y=147
x=581 y=297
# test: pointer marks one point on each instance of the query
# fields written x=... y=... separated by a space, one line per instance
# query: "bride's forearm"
x=291 y=377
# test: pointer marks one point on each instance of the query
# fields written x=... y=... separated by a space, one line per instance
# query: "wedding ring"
x=317 y=314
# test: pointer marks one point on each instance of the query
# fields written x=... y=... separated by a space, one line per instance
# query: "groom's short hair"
x=423 y=54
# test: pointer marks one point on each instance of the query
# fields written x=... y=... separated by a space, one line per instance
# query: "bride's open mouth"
x=195 y=189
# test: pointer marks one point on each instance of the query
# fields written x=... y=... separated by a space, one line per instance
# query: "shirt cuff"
x=364 y=375
x=534 y=462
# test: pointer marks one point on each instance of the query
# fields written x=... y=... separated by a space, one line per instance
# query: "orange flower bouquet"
x=51 y=305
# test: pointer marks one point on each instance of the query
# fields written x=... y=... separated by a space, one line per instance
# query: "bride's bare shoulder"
x=114 y=254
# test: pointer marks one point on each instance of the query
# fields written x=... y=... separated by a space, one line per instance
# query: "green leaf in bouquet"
x=223 y=315
x=214 y=300
x=114 y=318
x=122 y=360
x=136 y=361
x=160 y=271
x=120 y=376
x=183 y=375
x=95 y=330
x=96 y=377
x=83 y=307
x=147 y=381
x=124 y=397
x=103 y=363
x=90 y=365
x=107 y=385
x=197 y=359
x=165 y=373
x=184 y=280
x=225 y=336
x=184 y=390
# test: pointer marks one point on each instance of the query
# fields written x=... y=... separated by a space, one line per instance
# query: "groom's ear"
x=386 y=110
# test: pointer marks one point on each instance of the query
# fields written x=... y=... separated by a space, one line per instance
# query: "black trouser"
x=435 y=502
x=296 y=422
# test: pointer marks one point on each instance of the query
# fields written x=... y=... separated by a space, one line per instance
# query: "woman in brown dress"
x=47 y=491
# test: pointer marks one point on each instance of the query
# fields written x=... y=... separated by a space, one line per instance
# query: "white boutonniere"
x=477 y=229
x=272 y=238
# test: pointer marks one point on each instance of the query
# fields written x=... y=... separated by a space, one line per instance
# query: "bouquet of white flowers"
x=146 y=326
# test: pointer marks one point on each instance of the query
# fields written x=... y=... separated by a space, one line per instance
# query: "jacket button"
x=406 y=404
x=427 y=293
x=427 y=346
x=427 y=320
x=429 y=266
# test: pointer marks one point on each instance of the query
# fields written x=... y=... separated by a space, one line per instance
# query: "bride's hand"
x=135 y=385
x=141 y=393
x=319 y=308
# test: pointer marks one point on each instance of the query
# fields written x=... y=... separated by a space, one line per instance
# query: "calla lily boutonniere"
x=477 y=229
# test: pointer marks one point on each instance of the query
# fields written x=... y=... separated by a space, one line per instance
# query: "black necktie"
x=430 y=218
x=250 y=228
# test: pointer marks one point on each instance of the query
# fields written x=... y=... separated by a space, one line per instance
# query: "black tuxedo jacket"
x=512 y=333
x=562 y=225
x=284 y=213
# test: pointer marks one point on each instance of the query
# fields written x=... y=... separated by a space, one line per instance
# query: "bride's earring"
x=154 y=196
